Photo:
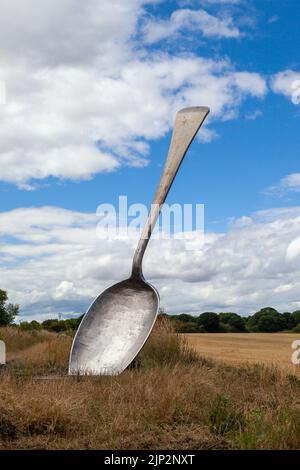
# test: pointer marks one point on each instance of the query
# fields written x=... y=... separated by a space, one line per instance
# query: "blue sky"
x=115 y=74
x=248 y=156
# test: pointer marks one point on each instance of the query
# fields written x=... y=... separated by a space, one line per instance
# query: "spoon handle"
x=187 y=123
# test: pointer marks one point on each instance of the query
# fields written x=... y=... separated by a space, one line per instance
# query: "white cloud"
x=210 y=2
x=52 y=261
x=293 y=250
x=66 y=31
x=288 y=84
x=291 y=182
x=219 y=2
x=273 y=19
x=252 y=116
x=64 y=290
x=84 y=97
x=288 y=184
x=251 y=83
x=198 y=21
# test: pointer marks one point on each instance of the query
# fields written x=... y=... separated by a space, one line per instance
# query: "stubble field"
x=271 y=349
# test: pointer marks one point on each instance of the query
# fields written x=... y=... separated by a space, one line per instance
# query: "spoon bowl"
x=115 y=329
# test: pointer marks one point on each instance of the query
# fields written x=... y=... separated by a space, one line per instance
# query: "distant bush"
x=289 y=321
x=297 y=328
x=266 y=320
x=295 y=317
x=33 y=325
x=59 y=326
x=209 y=321
x=185 y=327
x=269 y=324
x=225 y=328
x=234 y=321
x=54 y=325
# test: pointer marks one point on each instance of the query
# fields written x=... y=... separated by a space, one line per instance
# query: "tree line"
x=266 y=320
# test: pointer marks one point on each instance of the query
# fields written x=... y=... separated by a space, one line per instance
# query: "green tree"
x=48 y=324
x=186 y=327
x=233 y=320
x=54 y=325
x=269 y=324
x=69 y=325
x=186 y=317
x=72 y=324
x=273 y=322
x=296 y=317
x=297 y=328
x=3 y=299
x=209 y=321
x=8 y=312
x=33 y=325
x=288 y=321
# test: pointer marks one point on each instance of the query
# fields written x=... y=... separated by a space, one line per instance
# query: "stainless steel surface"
x=120 y=320
x=187 y=123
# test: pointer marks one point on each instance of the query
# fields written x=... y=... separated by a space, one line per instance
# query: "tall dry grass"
x=170 y=399
x=18 y=340
x=165 y=347
x=36 y=352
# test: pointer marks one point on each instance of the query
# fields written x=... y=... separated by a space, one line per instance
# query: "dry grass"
x=247 y=348
x=36 y=352
x=171 y=399
x=17 y=340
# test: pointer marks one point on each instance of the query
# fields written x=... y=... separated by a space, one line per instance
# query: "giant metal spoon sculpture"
x=120 y=320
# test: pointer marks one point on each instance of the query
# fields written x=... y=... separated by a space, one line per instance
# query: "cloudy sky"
x=91 y=92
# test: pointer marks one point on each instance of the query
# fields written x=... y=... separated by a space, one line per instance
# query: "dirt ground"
x=241 y=348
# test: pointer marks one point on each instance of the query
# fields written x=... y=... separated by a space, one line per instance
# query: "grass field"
x=172 y=399
x=273 y=349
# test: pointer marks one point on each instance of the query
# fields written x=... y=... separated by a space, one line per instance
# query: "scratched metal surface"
x=114 y=329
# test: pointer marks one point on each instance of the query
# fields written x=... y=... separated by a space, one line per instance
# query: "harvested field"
x=272 y=349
